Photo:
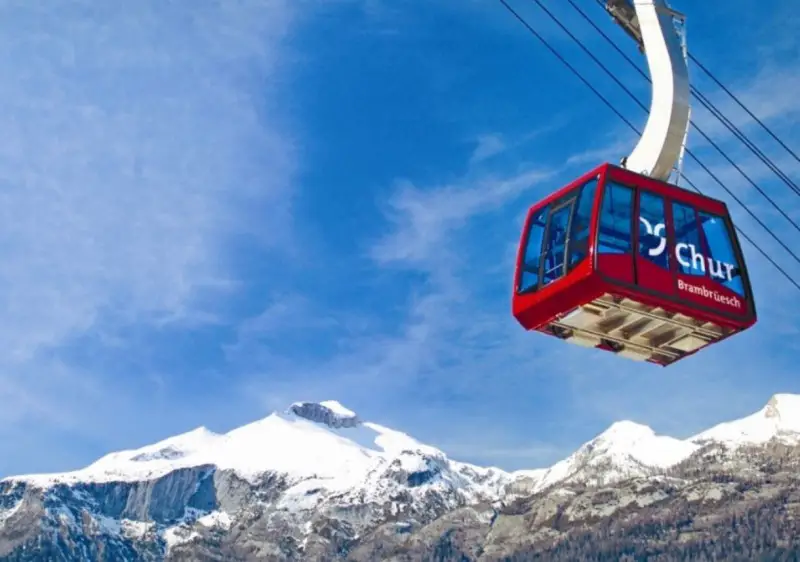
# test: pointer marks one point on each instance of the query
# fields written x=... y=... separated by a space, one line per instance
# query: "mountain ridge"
x=330 y=424
x=317 y=481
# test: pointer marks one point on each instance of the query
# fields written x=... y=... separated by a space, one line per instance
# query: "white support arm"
x=660 y=145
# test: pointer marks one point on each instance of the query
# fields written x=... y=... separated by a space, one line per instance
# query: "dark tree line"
x=768 y=532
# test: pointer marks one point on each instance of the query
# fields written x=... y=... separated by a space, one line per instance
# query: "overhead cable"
x=633 y=127
x=699 y=130
x=740 y=104
x=704 y=101
x=733 y=96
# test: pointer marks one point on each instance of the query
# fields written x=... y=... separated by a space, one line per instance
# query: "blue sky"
x=210 y=211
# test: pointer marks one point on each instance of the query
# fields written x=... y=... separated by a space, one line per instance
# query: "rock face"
x=328 y=413
x=318 y=483
x=717 y=505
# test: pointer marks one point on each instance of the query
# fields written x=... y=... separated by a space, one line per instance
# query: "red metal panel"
x=537 y=308
x=654 y=278
x=694 y=296
x=705 y=292
x=617 y=267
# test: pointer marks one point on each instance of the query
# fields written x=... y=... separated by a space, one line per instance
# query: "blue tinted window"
x=688 y=249
x=581 y=219
x=723 y=266
x=652 y=229
x=555 y=245
x=533 y=251
x=616 y=216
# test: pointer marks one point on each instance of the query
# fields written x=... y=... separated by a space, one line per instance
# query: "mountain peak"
x=779 y=418
x=785 y=408
x=327 y=412
x=628 y=439
x=626 y=430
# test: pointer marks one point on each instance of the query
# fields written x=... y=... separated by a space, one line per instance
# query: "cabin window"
x=616 y=216
x=723 y=267
x=556 y=244
x=688 y=248
x=533 y=251
x=581 y=220
x=652 y=229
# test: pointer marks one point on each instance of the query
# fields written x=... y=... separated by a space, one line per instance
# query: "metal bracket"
x=651 y=24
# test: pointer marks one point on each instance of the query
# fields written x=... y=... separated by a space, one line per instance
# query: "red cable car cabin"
x=629 y=264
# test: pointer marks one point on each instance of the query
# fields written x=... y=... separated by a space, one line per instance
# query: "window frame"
x=749 y=308
x=598 y=211
x=596 y=183
x=570 y=201
x=570 y=198
x=543 y=211
x=669 y=231
x=730 y=231
x=739 y=254
x=700 y=237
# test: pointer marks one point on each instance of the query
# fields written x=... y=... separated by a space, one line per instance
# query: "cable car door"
x=554 y=256
x=653 y=252
x=615 y=234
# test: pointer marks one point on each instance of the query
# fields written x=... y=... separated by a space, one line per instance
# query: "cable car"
x=623 y=260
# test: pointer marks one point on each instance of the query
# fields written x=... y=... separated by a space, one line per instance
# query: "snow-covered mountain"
x=314 y=479
x=624 y=450
x=322 y=449
x=628 y=449
x=313 y=466
x=778 y=419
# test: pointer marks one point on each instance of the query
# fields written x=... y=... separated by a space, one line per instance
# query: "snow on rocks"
x=326 y=446
x=321 y=448
x=778 y=419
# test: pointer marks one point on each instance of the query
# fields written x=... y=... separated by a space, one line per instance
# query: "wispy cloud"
x=777 y=106
x=678 y=402
x=458 y=341
x=466 y=341
x=422 y=219
x=491 y=145
x=136 y=148
x=487 y=146
x=446 y=323
x=619 y=144
x=149 y=167
x=457 y=359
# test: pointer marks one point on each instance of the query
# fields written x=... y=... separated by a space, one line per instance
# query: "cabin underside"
x=635 y=330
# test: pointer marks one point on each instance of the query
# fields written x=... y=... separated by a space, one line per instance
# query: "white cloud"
x=424 y=223
x=423 y=218
x=136 y=141
x=457 y=342
x=465 y=343
x=487 y=146
x=768 y=94
x=618 y=146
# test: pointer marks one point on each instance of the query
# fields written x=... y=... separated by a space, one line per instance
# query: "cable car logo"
x=657 y=231
x=696 y=260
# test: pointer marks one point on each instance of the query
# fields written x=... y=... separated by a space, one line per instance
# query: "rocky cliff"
x=318 y=483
